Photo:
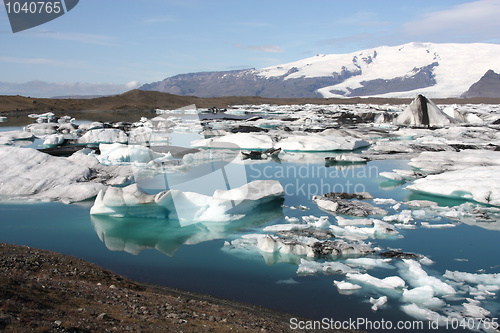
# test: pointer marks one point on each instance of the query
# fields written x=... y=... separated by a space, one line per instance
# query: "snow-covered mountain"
x=435 y=70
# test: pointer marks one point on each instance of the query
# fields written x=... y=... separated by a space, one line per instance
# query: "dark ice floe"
x=423 y=112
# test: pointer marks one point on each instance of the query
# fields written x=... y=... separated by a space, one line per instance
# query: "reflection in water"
x=134 y=235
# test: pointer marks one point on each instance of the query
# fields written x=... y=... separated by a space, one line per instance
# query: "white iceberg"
x=53 y=140
x=223 y=205
x=412 y=271
x=117 y=153
x=317 y=142
x=105 y=135
x=378 y=302
x=28 y=173
x=424 y=297
x=236 y=141
x=307 y=267
x=423 y=313
x=451 y=160
x=476 y=278
x=474 y=183
x=390 y=282
x=344 y=286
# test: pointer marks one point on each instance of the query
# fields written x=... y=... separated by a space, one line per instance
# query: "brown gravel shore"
x=43 y=291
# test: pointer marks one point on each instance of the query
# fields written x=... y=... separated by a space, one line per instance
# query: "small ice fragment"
x=291 y=219
x=344 y=285
x=378 y=302
x=287 y=281
x=391 y=282
x=437 y=226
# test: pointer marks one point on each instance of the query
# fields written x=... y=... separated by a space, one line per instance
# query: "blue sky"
x=125 y=41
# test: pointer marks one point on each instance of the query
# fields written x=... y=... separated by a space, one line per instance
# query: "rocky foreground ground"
x=43 y=291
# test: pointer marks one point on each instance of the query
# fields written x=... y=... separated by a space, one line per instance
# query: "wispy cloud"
x=269 y=48
x=468 y=22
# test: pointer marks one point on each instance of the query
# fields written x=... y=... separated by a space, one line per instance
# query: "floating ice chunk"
x=391 y=282
x=476 y=183
x=421 y=203
x=392 y=176
x=437 y=226
x=380 y=229
x=317 y=222
x=381 y=201
x=476 y=278
x=53 y=140
x=291 y=219
x=404 y=217
x=320 y=143
x=28 y=173
x=369 y=263
x=424 y=297
x=105 y=135
x=341 y=206
x=423 y=313
x=307 y=267
x=451 y=160
x=423 y=112
x=346 y=286
x=378 y=302
x=117 y=153
x=472 y=309
x=412 y=271
x=285 y=227
x=267 y=244
x=16 y=135
x=287 y=281
x=344 y=221
x=190 y=207
x=91 y=126
x=236 y=141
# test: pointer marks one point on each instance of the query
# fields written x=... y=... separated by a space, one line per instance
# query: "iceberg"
x=346 y=207
x=236 y=141
x=28 y=173
x=413 y=272
x=423 y=112
x=117 y=153
x=320 y=143
x=190 y=207
x=423 y=296
x=437 y=162
x=346 y=286
x=378 y=302
x=475 y=183
x=104 y=135
x=53 y=140
x=390 y=282
x=307 y=267
x=475 y=278
x=423 y=313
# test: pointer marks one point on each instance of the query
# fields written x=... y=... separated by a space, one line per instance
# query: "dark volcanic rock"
x=487 y=86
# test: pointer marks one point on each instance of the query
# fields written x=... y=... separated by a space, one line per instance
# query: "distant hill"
x=434 y=70
x=487 y=86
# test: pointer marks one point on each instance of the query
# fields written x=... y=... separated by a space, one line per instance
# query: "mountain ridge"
x=436 y=70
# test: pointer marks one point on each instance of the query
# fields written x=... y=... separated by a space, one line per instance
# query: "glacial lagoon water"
x=194 y=257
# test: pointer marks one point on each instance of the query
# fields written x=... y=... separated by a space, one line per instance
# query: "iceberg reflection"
x=133 y=234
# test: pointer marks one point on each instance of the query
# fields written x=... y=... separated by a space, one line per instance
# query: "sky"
x=121 y=44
